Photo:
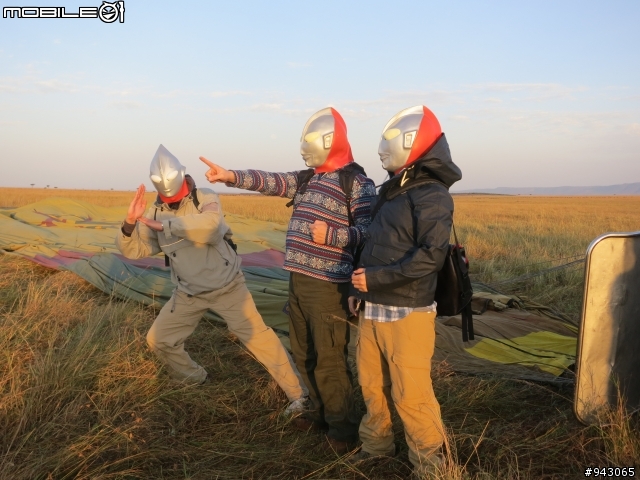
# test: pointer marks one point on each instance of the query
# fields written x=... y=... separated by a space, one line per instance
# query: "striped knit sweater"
x=323 y=200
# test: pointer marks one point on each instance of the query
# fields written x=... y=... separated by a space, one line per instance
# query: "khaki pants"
x=182 y=313
x=394 y=364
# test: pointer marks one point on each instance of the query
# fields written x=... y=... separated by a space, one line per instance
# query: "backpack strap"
x=303 y=182
x=195 y=199
x=464 y=285
x=347 y=176
x=167 y=260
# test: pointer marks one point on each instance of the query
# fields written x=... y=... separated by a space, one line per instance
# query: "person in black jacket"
x=395 y=283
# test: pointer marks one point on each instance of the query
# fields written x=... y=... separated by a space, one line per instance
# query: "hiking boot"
x=305 y=425
x=296 y=407
x=337 y=447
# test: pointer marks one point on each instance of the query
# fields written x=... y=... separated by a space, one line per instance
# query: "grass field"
x=81 y=396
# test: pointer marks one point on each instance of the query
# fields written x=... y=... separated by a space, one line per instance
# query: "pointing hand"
x=217 y=174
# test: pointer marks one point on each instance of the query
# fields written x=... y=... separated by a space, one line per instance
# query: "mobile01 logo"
x=108 y=12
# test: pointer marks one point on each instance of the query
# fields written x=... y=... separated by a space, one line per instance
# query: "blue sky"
x=540 y=93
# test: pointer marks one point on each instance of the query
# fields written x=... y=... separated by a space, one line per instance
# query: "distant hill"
x=622 y=189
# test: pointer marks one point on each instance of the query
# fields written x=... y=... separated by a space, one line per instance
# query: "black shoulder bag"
x=454 y=291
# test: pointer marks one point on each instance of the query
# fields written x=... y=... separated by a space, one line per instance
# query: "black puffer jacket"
x=408 y=238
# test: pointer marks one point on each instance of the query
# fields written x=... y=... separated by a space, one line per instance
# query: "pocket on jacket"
x=169 y=248
x=387 y=254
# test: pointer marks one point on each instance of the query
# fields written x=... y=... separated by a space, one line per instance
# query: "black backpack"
x=346 y=177
x=454 y=290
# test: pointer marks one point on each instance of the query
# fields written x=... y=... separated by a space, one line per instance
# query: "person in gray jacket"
x=187 y=225
x=395 y=283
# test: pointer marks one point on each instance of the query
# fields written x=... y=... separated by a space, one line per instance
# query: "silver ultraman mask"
x=317 y=138
x=166 y=173
x=398 y=136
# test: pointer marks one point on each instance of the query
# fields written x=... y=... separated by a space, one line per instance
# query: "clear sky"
x=543 y=93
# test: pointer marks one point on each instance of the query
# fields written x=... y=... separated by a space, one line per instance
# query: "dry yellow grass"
x=260 y=207
x=82 y=397
x=18 y=197
x=509 y=236
x=540 y=228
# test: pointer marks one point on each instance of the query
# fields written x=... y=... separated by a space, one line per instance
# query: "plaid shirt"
x=388 y=313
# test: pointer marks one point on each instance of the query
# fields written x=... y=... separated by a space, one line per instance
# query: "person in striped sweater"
x=324 y=232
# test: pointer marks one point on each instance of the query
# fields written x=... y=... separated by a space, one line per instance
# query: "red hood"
x=340 y=154
x=427 y=136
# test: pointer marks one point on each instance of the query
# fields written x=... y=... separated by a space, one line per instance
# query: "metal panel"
x=608 y=360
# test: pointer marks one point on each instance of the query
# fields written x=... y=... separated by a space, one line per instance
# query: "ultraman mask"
x=167 y=175
x=324 y=145
x=407 y=137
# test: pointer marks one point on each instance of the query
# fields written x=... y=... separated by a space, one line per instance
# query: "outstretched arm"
x=267 y=183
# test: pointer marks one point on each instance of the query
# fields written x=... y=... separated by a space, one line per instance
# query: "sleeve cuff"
x=239 y=179
x=127 y=228
x=338 y=236
x=373 y=278
x=330 y=237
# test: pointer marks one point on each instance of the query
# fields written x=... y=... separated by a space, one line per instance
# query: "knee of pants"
x=376 y=391
x=249 y=333
x=153 y=340
x=375 y=376
x=331 y=362
x=151 y=337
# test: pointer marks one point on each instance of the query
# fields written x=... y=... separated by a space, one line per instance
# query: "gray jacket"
x=407 y=241
x=193 y=239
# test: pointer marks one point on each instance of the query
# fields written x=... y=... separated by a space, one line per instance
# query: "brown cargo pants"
x=181 y=314
x=394 y=365
x=319 y=335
